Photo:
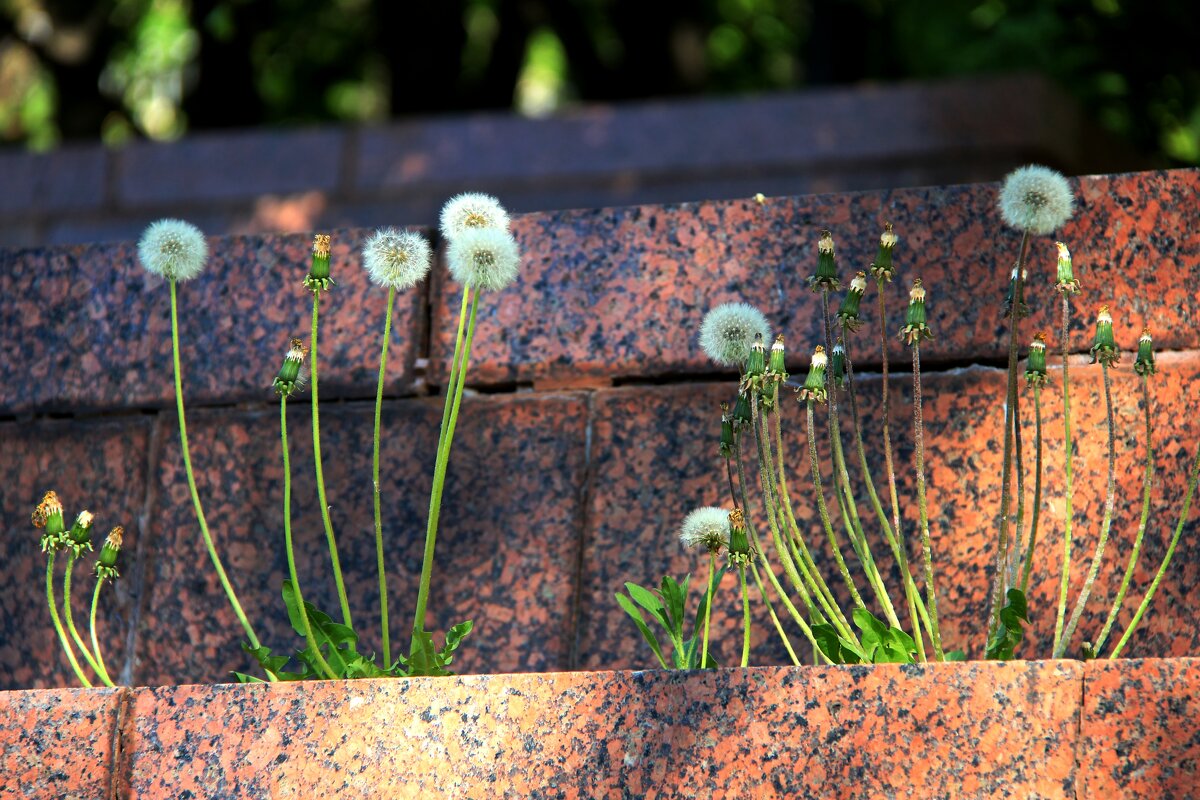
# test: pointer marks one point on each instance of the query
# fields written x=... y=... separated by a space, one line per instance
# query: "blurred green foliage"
x=119 y=68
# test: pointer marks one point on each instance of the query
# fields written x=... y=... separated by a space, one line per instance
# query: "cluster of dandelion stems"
x=754 y=429
x=75 y=541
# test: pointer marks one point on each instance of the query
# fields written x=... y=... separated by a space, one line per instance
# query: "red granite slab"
x=1140 y=734
x=59 y=743
x=621 y=291
x=507 y=551
x=655 y=458
x=94 y=329
x=99 y=466
x=974 y=730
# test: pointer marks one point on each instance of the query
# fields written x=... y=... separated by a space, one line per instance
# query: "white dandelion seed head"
x=485 y=258
x=1036 y=199
x=472 y=211
x=729 y=330
x=706 y=527
x=174 y=249
x=396 y=259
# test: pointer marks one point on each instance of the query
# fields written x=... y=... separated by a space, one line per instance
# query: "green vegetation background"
x=116 y=69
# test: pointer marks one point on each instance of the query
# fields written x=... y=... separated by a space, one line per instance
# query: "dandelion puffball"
x=472 y=211
x=1036 y=199
x=484 y=258
x=706 y=527
x=174 y=249
x=396 y=259
x=729 y=330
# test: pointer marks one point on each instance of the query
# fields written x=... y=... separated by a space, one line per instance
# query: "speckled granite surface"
x=59 y=743
x=977 y=730
x=621 y=292
x=96 y=329
x=1140 y=735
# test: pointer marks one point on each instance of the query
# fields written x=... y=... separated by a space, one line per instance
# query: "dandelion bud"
x=739 y=545
x=729 y=330
x=915 y=327
x=173 y=249
x=1105 y=348
x=814 y=384
x=1066 y=283
x=756 y=364
x=1035 y=366
x=848 y=313
x=706 y=527
x=882 y=269
x=49 y=515
x=80 y=534
x=776 y=365
x=1022 y=308
x=741 y=411
x=826 y=277
x=1144 y=364
x=290 y=378
x=1036 y=199
x=472 y=211
x=106 y=565
x=837 y=364
x=318 y=279
x=726 y=432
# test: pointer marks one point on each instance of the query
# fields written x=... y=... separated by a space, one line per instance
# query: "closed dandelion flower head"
x=1036 y=199
x=174 y=249
x=706 y=527
x=729 y=330
x=484 y=258
x=472 y=211
x=396 y=259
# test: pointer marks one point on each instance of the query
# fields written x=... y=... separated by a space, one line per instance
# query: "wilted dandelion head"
x=729 y=330
x=485 y=258
x=174 y=249
x=472 y=211
x=706 y=527
x=396 y=259
x=1036 y=199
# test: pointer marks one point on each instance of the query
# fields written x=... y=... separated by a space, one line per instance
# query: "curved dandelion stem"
x=69 y=616
x=92 y=631
x=379 y=561
x=62 y=635
x=708 y=598
x=1069 y=447
x=926 y=548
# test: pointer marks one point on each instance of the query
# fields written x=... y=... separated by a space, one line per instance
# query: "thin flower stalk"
x=69 y=617
x=1017 y=548
x=1162 y=568
x=855 y=597
x=926 y=548
x=462 y=357
x=92 y=631
x=380 y=567
x=291 y=555
x=1147 y=485
x=745 y=617
x=58 y=626
x=1037 y=488
x=1068 y=484
x=330 y=538
x=783 y=637
x=708 y=598
x=1002 y=521
x=191 y=480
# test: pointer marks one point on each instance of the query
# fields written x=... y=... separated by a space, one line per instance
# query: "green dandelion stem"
x=379 y=560
x=855 y=597
x=1069 y=448
x=745 y=617
x=69 y=616
x=923 y=513
x=1105 y=525
x=191 y=479
x=1002 y=522
x=291 y=555
x=330 y=539
x=62 y=635
x=92 y=631
x=450 y=415
x=1037 y=487
x=783 y=637
x=1162 y=568
x=888 y=459
x=1147 y=484
x=712 y=587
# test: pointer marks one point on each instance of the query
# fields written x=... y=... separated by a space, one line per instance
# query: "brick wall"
x=590 y=431
x=295 y=180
